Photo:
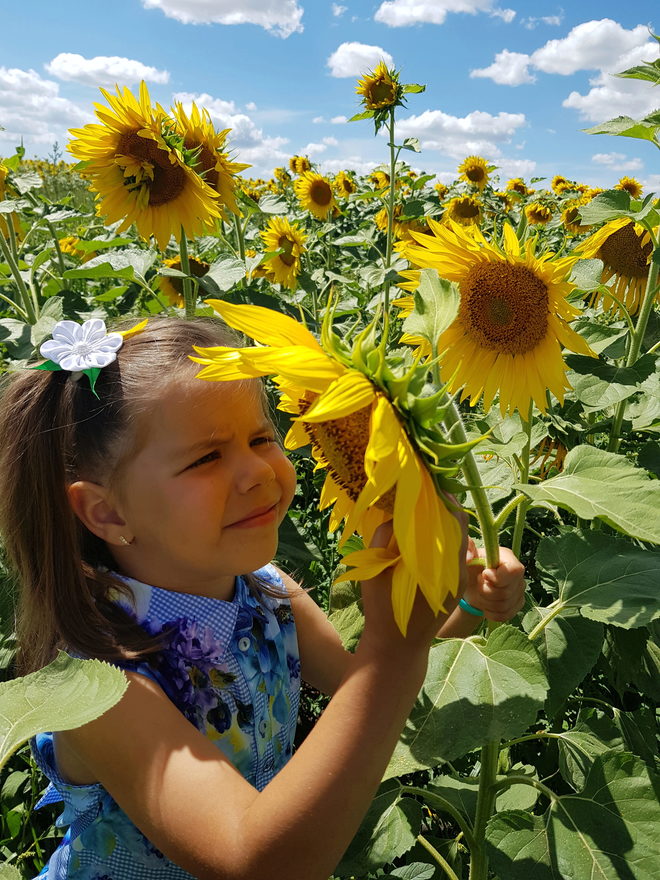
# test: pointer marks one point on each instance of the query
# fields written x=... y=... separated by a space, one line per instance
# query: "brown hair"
x=54 y=431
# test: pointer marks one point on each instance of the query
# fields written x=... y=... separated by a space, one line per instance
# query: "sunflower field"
x=492 y=344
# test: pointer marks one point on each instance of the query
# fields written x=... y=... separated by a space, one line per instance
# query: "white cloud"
x=31 y=108
x=531 y=22
x=617 y=161
x=399 y=13
x=592 y=45
x=246 y=140
x=354 y=59
x=338 y=10
x=281 y=17
x=478 y=132
x=515 y=168
x=313 y=149
x=347 y=163
x=251 y=106
x=318 y=119
x=508 y=69
x=507 y=15
x=651 y=183
x=339 y=120
x=103 y=70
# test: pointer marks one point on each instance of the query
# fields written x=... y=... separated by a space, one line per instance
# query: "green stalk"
x=521 y=512
x=390 y=226
x=189 y=291
x=240 y=236
x=635 y=346
x=29 y=307
x=490 y=754
x=438 y=857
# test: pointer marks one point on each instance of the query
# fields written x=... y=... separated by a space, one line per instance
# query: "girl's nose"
x=252 y=471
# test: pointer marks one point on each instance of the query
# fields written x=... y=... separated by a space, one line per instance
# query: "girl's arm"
x=191 y=802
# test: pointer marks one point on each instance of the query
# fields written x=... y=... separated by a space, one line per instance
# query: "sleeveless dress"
x=233 y=669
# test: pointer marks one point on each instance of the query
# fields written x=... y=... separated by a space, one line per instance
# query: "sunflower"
x=518 y=185
x=172 y=286
x=513 y=315
x=380 y=88
x=374 y=472
x=402 y=228
x=344 y=184
x=630 y=185
x=538 y=214
x=474 y=170
x=137 y=176
x=299 y=164
x=625 y=248
x=441 y=189
x=285 y=237
x=560 y=184
x=505 y=198
x=315 y=194
x=282 y=176
x=570 y=216
x=211 y=158
x=465 y=210
x=379 y=179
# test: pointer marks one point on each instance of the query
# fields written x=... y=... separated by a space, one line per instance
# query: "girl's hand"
x=498 y=592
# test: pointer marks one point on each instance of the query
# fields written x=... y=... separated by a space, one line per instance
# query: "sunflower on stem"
x=315 y=194
x=513 y=315
x=374 y=425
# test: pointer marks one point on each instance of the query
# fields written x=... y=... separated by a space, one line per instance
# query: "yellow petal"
x=367 y=564
x=134 y=330
x=346 y=395
x=265 y=325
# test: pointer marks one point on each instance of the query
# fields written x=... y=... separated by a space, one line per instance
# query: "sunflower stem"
x=436 y=856
x=189 y=291
x=27 y=303
x=521 y=512
x=240 y=236
x=635 y=346
x=490 y=754
x=390 y=228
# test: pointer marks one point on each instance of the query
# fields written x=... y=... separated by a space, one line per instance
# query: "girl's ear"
x=93 y=506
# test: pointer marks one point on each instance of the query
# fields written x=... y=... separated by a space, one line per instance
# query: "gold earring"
x=124 y=542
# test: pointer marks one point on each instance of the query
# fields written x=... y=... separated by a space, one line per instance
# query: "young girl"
x=141 y=516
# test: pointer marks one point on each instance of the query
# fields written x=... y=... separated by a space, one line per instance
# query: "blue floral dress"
x=232 y=668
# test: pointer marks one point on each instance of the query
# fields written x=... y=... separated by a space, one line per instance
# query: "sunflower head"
x=137 y=166
x=632 y=186
x=315 y=194
x=560 y=184
x=570 y=216
x=474 y=170
x=286 y=241
x=465 y=210
x=344 y=184
x=379 y=179
x=380 y=88
x=282 y=176
x=513 y=316
x=518 y=185
x=538 y=214
x=441 y=189
x=299 y=164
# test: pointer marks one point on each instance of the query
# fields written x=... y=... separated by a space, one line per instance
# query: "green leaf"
x=594 y=734
x=603 y=485
x=461 y=792
x=51 y=313
x=632 y=660
x=625 y=126
x=27 y=182
x=413 y=871
x=603 y=337
x=606 y=206
x=599 y=384
x=389 y=830
x=346 y=613
x=9 y=872
x=130 y=264
x=649 y=72
x=272 y=204
x=224 y=273
x=412 y=88
x=569 y=646
x=436 y=307
x=607 y=832
x=366 y=114
x=586 y=274
x=412 y=143
x=476 y=690
x=605 y=577
x=65 y=694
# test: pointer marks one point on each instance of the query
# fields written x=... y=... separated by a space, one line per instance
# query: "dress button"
x=262 y=727
x=243 y=644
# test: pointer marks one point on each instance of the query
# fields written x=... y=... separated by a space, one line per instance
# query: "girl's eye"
x=261 y=441
x=210 y=456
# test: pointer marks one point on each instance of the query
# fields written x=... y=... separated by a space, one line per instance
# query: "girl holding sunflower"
x=140 y=507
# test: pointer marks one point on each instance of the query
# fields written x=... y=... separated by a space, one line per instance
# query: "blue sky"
x=514 y=81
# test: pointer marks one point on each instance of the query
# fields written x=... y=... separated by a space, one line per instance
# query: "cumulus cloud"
x=103 y=70
x=338 y=10
x=508 y=69
x=478 y=132
x=592 y=45
x=531 y=22
x=339 y=120
x=353 y=59
x=280 y=17
x=617 y=161
x=32 y=108
x=247 y=142
x=399 y=13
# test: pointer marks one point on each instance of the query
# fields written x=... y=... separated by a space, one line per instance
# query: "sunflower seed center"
x=624 y=253
x=504 y=307
x=320 y=192
x=168 y=180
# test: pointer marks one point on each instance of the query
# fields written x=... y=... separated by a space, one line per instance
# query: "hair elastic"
x=465 y=605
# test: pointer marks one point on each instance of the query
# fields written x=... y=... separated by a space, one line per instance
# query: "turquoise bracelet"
x=470 y=608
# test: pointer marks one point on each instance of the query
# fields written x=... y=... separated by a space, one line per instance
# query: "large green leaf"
x=389 y=829
x=476 y=690
x=593 y=734
x=632 y=660
x=63 y=695
x=131 y=263
x=626 y=126
x=569 y=647
x=461 y=792
x=603 y=485
x=9 y=872
x=600 y=384
x=436 y=305
x=607 y=832
x=605 y=577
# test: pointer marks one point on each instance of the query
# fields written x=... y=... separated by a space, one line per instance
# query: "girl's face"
x=206 y=492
